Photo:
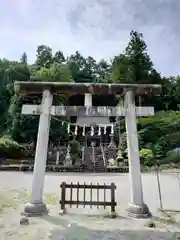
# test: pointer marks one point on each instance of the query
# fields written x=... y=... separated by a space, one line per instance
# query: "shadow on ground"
x=76 y=232
x=68 y=230
x=55 y=220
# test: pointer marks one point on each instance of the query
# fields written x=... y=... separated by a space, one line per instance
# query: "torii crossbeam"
x=136 y=208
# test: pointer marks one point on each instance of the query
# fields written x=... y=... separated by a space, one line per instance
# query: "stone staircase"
x=94 y=162
x=99 y=162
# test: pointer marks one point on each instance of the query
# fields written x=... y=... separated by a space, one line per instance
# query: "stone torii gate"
x=137 y=207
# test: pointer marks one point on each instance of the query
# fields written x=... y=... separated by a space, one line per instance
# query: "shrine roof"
x=37 y=86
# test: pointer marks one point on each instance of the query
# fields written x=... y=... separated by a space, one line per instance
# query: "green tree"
x=134 y=65
x=44 y=56
x=82 y=69
x=120 y=69
x=59 y=57
x=159 y=133
x=18 y=72
x=61 y=73
x=138 y=60
x=24 y=58
x=102 y=72
x=56 y=73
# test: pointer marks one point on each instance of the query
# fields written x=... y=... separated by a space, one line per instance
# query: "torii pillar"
x=36 y=206
x=137 y=208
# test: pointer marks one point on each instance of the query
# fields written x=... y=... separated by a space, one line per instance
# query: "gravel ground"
x=86 y=223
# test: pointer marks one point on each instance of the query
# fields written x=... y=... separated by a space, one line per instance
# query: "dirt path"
x=83 y=223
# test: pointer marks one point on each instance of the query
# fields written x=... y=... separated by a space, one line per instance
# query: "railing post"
x=84 y=194
x=63 y=196
x=91 y=195
x=97 y=194
x=113 y=212
x=77 y=194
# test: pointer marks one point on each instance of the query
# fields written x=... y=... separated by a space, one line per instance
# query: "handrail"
x=93 y=154
x=83 y=154
x=102 y=150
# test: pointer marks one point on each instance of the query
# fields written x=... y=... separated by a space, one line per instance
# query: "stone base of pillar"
x=34 y=209
x=138 y=211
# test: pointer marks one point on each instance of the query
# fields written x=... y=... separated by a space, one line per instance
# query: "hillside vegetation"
x=159 y=135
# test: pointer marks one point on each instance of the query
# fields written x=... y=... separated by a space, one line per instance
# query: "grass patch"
x=168 y=219
x=22 y=196
x=51 y=199
x=6 y=203
x=12 y=198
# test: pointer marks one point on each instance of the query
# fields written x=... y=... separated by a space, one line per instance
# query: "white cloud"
x=98 y=27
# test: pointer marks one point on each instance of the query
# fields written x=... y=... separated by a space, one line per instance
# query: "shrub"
x=146 y=156
x=75 y=147
x=111 y=162
x=162 y=129
x=119 y=157
x=173 y=156
x=123 y=142
x=6 y=143
x=158 y=151
x=125 y=153
x=9 y=147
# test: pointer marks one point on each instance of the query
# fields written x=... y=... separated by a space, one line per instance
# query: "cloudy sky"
x=99 y=28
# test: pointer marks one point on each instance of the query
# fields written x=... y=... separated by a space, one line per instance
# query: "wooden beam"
x=82 y=111
x=38 y=86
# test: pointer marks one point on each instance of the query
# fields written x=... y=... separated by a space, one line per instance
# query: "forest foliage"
x=159 y=135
